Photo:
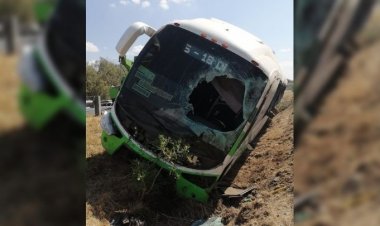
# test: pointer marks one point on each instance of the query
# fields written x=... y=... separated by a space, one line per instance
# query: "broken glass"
x=188 y=87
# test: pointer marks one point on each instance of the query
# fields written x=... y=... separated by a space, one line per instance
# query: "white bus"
x=205 y=82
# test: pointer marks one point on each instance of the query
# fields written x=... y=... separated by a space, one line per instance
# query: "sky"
x=270 y=20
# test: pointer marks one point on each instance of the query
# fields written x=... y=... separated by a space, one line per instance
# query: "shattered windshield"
x=187 y=86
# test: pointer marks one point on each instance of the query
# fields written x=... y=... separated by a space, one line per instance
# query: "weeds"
x=145 y=175
x=174 y=150
x=141 y=171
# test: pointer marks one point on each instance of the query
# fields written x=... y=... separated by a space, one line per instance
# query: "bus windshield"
x=190 y=87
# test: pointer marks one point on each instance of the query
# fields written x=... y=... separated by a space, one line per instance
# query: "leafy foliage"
x=174 y=150
x=144 y=175
x=101 y=76
x=141 y=171
x=22 y=8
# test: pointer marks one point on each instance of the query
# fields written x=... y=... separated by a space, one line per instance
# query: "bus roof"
x=236 y=40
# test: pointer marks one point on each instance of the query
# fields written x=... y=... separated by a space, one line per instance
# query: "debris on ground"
x=212 y=221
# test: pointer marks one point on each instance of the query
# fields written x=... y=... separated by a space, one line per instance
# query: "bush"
x=174 y=150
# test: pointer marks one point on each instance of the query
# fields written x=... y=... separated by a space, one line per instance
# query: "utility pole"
x=97 y=106
x=12 y=34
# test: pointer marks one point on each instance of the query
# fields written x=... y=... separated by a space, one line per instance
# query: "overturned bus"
x=205 y=82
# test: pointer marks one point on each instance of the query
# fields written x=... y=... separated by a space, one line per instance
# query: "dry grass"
x=9 y=85
x=286 y=101
x=93 y=133
x=339 y=153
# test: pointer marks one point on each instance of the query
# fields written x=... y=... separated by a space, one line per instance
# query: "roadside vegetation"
x=101 y=75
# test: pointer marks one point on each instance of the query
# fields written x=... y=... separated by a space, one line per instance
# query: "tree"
x=101 y=76
x=21 y=8
x=111 y=73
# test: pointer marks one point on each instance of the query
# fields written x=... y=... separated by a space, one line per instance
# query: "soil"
x=41 y=172
x=337 y=160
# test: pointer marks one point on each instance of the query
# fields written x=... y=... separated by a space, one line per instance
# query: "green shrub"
x=174 y=150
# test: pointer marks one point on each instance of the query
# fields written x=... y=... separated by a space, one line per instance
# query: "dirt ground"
x=338 y=160
x=269 y=167
x=42 y=181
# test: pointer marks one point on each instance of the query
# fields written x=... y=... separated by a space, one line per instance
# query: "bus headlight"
x=106 y=124
x=30 y=75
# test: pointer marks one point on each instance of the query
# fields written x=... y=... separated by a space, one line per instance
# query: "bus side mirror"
x=131 y=34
